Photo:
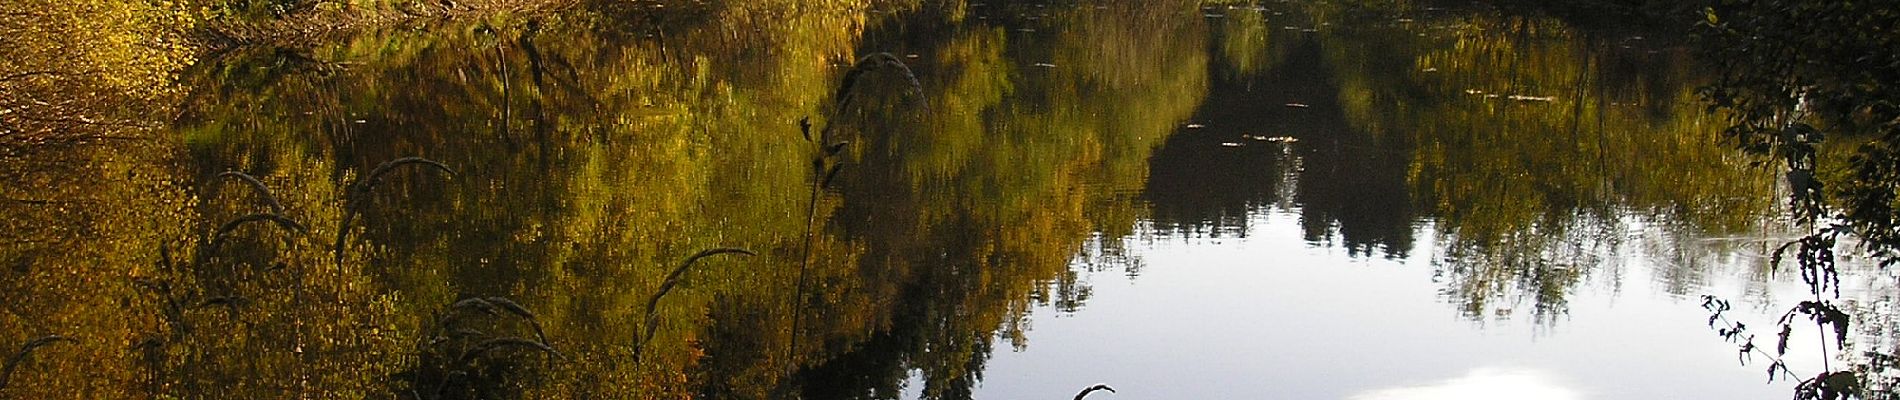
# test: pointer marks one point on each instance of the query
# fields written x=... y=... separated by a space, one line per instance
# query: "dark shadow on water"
x=1279 y=138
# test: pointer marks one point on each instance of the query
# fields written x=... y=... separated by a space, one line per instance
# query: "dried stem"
x=666 y=286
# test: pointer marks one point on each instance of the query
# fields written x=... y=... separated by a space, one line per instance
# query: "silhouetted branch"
x=666 y=286
x=359 y=194
x=515 y=308
x=6 y=375
x=256 y=185
x=1091 y=389
x=217 y=239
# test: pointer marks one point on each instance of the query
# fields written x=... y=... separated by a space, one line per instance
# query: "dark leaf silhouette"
x=1781 y=342
x=804 y=127
x=834 y=148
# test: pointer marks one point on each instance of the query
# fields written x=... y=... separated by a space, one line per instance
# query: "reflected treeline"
x=1533 y=152
x=593 y=151
x=1042 y=119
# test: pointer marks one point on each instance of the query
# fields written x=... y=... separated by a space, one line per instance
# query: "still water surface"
x=1332 y=200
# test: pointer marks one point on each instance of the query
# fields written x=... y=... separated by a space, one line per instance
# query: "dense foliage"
x=1814 y=85
x=1794 y=73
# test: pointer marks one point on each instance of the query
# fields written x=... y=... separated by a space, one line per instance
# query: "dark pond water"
x=1336 y=200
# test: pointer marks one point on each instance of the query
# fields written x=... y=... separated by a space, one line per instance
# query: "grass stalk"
x=6 y=375
x=666 y=286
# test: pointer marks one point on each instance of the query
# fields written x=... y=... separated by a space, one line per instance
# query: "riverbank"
x=329 y=21
x=76 y=73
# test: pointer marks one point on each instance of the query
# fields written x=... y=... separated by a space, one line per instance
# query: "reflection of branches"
x=876 y=63
x=822 y=178
x=217 y=239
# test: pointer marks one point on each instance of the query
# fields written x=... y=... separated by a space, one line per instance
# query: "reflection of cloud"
x=1480 y=384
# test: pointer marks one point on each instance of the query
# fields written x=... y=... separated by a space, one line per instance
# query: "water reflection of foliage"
x=1018 y=163
x=603 y=145
x=1813 y=98
x=87 y=194
x=587 y=165
x=1522 y=140
x=71 y=71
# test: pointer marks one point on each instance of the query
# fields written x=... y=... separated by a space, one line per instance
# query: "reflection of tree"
x=87 y=196
x=1525 y=144
x=988 y=200
x=591 y=158
x=72 y=72
x=1200 y=181
x=597 y=148
x=1522 y=145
